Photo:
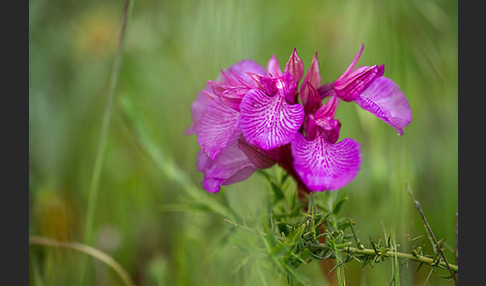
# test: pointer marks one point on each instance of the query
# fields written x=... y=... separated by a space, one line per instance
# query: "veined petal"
x=349 y=86
x=384 y=99
x=269 y=122
x=326 y=90
x=230 y=167
x=232 y=96
x=261 y=159
x=313 y=77
x=325 y=166
x=197 y=109
x=314 y=101
x=329 y=109
x=353 y=81
x=355 y=60
x=295 y=66
x=236 y=74
x=218 y=128
x=273 y=68
x=330 y=128
x=283 y=85
x=287 y=87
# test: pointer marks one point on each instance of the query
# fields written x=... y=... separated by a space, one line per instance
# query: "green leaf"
x=279 y=195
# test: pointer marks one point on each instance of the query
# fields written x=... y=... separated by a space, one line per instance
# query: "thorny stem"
x=418 y=258
x=417 y=205
x=429 y=229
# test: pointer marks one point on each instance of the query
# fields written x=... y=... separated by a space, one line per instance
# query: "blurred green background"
x=146 y=214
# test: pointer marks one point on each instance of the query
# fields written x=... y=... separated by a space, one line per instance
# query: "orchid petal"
x=261 y=159
x=232 y=96
x=230 y=167
x=273 y=68
x=295 y=66
x=269 y=122
x=353 y=81
x=330 y=128
x=385 y=100
x=350 y=85
x=197 y=110
x=324 y=117
x=313 y=77
x=326 y=90
x=325 y=166
x=218 y=128
x=355 y=60
x=237 y=73
x=329 y=109
x=287 y=87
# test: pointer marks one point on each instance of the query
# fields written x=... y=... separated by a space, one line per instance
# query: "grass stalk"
x=95 y=176
x=103 y=257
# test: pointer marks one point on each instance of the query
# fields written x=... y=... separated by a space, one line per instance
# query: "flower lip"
x=323 y=165
x=269 y=122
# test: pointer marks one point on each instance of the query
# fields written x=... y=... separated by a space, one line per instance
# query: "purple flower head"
x=253 y=118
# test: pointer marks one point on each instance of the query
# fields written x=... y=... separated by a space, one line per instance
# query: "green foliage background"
x=148 y=214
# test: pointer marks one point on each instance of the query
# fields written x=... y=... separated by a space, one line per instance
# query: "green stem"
x=419 y=258
x=95 y=177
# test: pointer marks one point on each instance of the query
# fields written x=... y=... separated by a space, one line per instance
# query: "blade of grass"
x=100 y=255
x=105 y=124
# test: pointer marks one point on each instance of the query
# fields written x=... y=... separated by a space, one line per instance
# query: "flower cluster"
x=252 y=118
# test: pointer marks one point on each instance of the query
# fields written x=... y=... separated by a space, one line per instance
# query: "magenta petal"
x=353 y=81
x=230 y=167
x=329 y=109
x=269 y=122
x=261 y=159
x=313 y=99
x=273 y=68
x=325 y=166
x=295 y=66
x=237 y=74
x=384 y=99
x=355 y=60
x=350 y=85
x=218 y=128
x=197 y=109
x=232 y=96
x=313 y=77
